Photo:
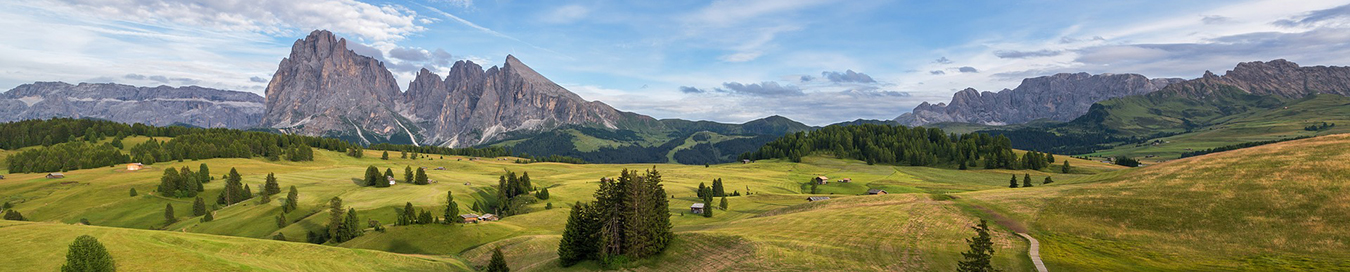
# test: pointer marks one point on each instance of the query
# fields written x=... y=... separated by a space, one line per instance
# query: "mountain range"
x=1060 y=97
x=160 y=106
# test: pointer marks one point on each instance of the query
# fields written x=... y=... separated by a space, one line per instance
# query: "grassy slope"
x=42 y=246
x=1268 y=208
x=1261 y=125
x=100 y=195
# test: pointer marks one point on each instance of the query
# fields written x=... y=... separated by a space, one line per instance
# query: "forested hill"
x=894 y=144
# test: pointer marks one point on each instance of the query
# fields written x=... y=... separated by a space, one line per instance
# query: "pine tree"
x=549 y=206
x=421 y=177
x=524 y=185
x=578 y=236
x=981 y=251
x=270 y=187
x=279 y=237
x=168 y=214
x=1013 y=183
x=408 y=175
x=707 y=208
x=388 y=173
x=1026 y=180
x=451 y=208
x=198 y=207
x=334 y=217
x=542 y=194
x=133 y=191
x=409 y=214
x=291 y=199
x=385 y=156
x=498 y=263
x=701 y=188
x=1049 y=158
x=351 y=226
x=86 y=254
x=248 y=192
x=1065 y=169
x=724 y=203
x=208 y=217
x=1047 y=180
x=234 y=188
x=204 y=173
x=281 y=221
x=717 y=188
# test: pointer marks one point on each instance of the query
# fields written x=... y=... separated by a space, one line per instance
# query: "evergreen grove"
x=629 y=219
x=886 y=144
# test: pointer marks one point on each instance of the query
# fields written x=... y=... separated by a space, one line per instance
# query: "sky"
x=814 y=61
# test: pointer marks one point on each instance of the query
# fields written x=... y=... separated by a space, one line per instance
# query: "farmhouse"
x=487 y=217
x=821 y=180
x=876 y=192
x=745 y=161
x=845 y=180
x=817 y=198
x=56 y=175
x=697 y=208
x=135 y=166
x=469 y=218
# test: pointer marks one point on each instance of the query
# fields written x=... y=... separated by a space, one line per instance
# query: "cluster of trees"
x=374 y=178
x=492 y=151
x=342 y=225
x=1237 y=146
x=1320 y=127
x=1037 y=160
x=629 y=219
x=235 y=190
x=13 y=215
x=70 y=144
x=513 y=193
x=886 y=144
x=1126 y=161
x=1026 y=181
x=408 y=216
x=550 y=158
x=715 y=190
x=183 y=183
x=65 y=157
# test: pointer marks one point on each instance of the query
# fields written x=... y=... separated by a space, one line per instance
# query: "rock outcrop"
x=1279 y=77
x=325 y=89
x=1060 y=97
x=159 y=106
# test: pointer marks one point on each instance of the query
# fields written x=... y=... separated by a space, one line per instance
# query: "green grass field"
x=1276 y=207
x=775 y=228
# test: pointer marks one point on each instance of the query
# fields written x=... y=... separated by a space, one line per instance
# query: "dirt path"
x=1033 y=251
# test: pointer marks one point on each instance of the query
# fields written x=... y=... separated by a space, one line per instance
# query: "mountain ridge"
x=1061 y=97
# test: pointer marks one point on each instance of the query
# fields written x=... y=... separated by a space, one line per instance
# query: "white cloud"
x=273 y=17
x=566 y=14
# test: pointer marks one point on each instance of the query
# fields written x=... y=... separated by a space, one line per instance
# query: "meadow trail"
x=1033 y=250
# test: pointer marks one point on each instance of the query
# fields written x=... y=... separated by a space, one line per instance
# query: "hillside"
x=42 y=246
x=799 y=239
x=1267 y=208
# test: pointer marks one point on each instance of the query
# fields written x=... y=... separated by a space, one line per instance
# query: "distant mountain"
x=159 y=106
x=325 y=89
x=1060 y=97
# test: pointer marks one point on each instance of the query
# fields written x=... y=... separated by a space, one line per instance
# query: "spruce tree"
x=1047 y=181
x=86 y=254
x=291 y=199
x=498 y=263
x=701 y=188
x=271 y=187
x=717 y=190
x=981 y=251
x=542 y=194
x=335 y=217
x=451 y=208
x=409 y=214
x=1026 y=180
x=204 y=173
x=198 y=207
x=352 y=226
x=208 y=217
x=1013 y=183
x=724 y=203
x=133 y=191
x=421 y=177
x=408 y=175
x=281 y=221
x=707 y=208
x=169 y=218
x=279 y=237
x=1065 y=169
x=248 y=192
x=385 y=156
x=388 y=173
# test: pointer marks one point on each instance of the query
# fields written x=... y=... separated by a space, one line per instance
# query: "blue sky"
x=815 y=61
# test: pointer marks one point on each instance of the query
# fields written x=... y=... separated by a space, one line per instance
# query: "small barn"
x=55 y=175
x=697 y=208
x=817 y=198
x=487 y=217
x=135 y=166
x=876 y=192
x=821 y=180
x=745 y=161
x=469 y=218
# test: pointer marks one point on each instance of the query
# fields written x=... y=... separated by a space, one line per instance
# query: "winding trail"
x=1034 y=252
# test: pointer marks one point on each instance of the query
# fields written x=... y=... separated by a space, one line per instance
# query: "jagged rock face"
x=1061 y=97
x=1281 y=78
x=324 y=89
x=159 y=106
x=477 y=106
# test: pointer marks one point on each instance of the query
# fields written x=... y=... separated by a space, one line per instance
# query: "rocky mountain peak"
x=323 y=88
x=1060 y=97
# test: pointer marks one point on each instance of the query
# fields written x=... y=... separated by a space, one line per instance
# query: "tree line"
x=887 y=144
x=629 y=219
